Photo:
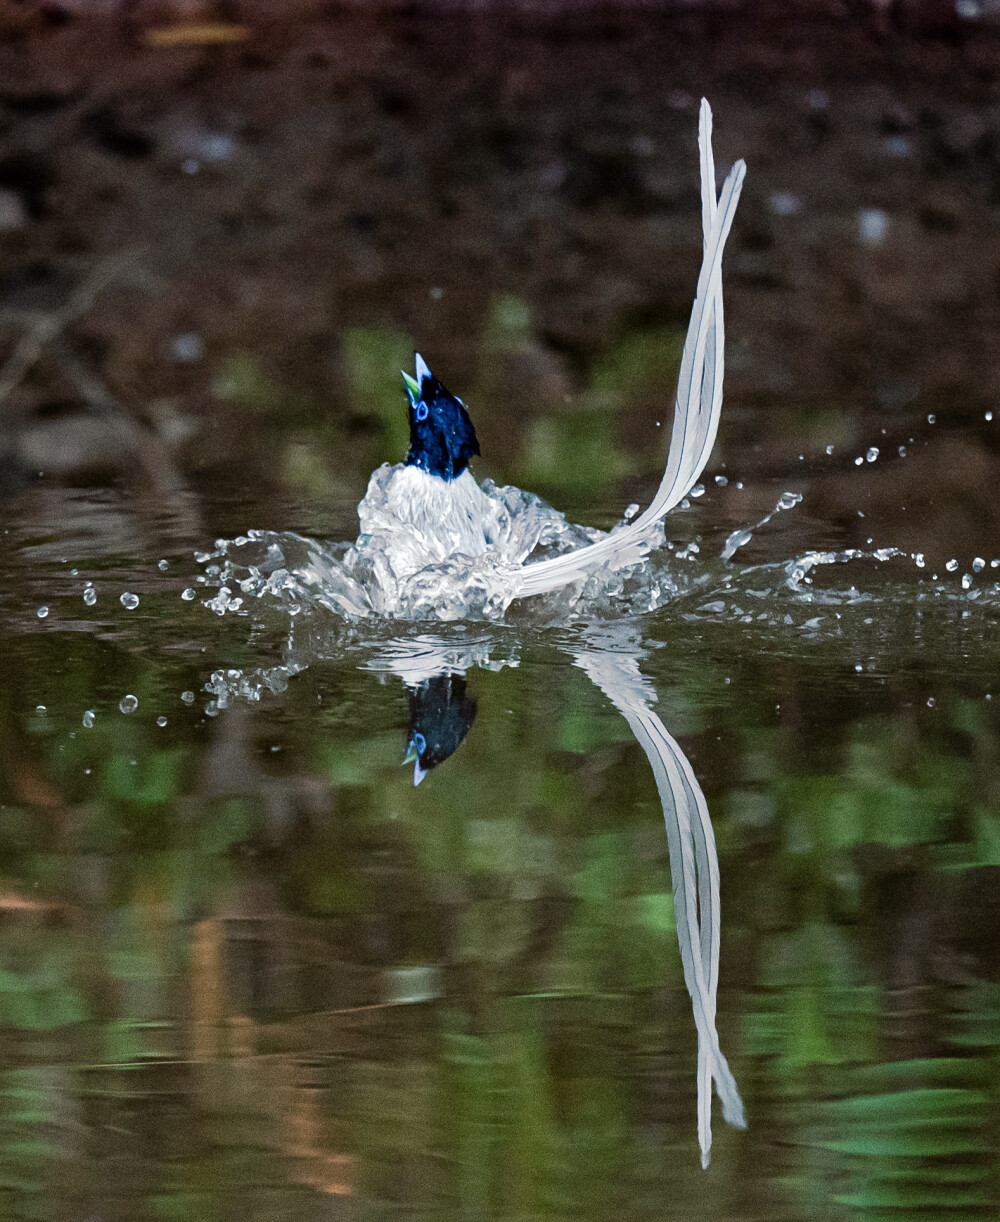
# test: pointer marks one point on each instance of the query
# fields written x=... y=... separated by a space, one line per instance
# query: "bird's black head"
x=440 y=716
x=442 y=439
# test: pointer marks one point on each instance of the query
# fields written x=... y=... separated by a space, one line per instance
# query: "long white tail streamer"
x=694 y=871
x=699 y=392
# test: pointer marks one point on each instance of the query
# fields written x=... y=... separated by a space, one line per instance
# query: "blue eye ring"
x=420 y=411
x=418 y=739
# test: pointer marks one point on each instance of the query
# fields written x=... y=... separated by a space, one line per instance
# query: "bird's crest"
x=442 y=437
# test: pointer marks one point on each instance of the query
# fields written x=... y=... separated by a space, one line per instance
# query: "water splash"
x=739 y=538
x=390 y=572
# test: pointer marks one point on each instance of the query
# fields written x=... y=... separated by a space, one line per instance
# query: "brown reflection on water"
x=273 y=228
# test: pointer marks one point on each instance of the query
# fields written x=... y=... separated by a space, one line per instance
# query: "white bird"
x=430 y=511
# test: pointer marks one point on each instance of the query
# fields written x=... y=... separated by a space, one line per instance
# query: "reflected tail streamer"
x=694 y=870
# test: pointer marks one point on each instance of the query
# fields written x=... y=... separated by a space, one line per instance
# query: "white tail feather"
x=699 y=392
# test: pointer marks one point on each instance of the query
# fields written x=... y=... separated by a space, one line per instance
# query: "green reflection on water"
x=239 y=979
x=568 y=443
x=465 y=1000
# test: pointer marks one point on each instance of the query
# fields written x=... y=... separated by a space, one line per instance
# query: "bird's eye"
x=421 y=411
x=418 y=739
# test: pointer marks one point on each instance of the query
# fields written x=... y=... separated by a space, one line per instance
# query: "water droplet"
x=857 y=666
x=129 y=601
x=630 y=512
x=902 y=451
x=872 y=453
x=187 y=348
x=735 y=541
x=966 y=581
x=698 y=490
x=161 y=722
x=978 y=564
x=788 y=500
x=721 y=480
x=187 y=697
x=952 y=565
x=188 y=595
x=88 y=719
x=829 y=449
x=163 y=565
x=932 y=419
x=859 y=460
x=931 y=702
x=989 y=415
x=784 y=203
x=919 y=560
x=128 y=704
x=42 y=612
x=90 y=596
x=873 y=225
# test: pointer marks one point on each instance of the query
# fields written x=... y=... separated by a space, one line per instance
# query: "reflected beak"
x=418 y=772
x=410 y=756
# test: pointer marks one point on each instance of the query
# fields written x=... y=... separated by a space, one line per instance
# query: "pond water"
x=248 y=966
x=740 y=821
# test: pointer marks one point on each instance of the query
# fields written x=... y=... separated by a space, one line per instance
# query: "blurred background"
x=275 y=205
x=246 y=969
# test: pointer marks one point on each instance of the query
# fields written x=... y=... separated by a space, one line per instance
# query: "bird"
x=422 y=520
x=434 y=491
x=441 y=714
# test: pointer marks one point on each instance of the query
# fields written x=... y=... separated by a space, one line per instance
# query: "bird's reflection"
x=440 y=716
x=433 y=671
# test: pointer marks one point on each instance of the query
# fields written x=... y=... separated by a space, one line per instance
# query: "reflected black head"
x=440 y=716
x=442 y=439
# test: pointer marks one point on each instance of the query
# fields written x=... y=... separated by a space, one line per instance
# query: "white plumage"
x=435 y=519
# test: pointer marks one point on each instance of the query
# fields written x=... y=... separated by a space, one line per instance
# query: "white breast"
x=417 y=519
